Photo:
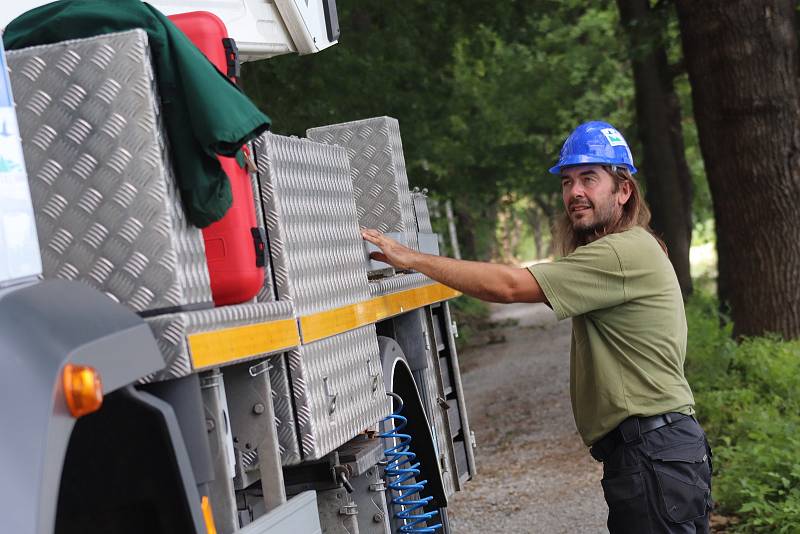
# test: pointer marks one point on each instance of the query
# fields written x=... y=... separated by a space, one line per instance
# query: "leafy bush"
x=471 y=315
x=748 y=399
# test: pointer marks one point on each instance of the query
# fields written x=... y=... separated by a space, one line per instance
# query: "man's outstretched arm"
x=486 y=281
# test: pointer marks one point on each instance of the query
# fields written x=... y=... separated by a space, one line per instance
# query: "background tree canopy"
x=486 y=92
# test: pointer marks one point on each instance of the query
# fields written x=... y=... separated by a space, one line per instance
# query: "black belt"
x=631 y=430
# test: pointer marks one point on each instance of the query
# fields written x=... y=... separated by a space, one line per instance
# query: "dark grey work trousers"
x=656 y=481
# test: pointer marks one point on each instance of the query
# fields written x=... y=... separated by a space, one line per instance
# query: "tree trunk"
x=742 y=60
x=550 y=205
x=658 y=112
x=535 y=219
x=516 y=237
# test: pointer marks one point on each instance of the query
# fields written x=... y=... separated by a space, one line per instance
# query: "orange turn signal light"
x=208 y=516
x=83 y=389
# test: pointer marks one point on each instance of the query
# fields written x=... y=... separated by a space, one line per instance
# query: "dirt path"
x=534 y=473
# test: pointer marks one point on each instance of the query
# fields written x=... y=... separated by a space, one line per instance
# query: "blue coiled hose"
x=400 y=472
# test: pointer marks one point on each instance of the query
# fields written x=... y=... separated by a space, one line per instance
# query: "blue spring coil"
x=400 y=471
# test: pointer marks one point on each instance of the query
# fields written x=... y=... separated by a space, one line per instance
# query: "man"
x=630 y=399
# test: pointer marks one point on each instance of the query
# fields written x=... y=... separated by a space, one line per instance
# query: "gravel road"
x=534 y=473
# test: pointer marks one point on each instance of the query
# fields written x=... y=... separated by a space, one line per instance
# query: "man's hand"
x=392 y=252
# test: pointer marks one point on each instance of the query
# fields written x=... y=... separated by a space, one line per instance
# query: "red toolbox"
x=235 y=247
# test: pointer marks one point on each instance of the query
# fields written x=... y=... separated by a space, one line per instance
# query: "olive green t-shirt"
x=628 y=330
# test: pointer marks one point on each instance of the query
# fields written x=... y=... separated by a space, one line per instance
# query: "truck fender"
x=44 y=326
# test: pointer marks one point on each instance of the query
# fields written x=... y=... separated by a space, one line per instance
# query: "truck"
x=136 y=397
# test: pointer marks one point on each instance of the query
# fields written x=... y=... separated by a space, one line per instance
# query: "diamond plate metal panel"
x=267 y=292
x=384 y=286
x=378 y=170
x=288 y=440
x=338 y=389
x=288 y=443
x=315 y=244
x=107 y=209
x=421 y=212
x=441 y=434
x=171 y=330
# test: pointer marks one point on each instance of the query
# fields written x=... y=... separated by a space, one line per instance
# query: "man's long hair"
x=634 y=213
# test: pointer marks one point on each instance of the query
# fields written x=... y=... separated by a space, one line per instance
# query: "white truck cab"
x=261 y=28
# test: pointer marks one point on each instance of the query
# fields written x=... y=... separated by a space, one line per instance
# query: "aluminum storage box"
x=318 y=265
x=378 y=171
x=107 y=208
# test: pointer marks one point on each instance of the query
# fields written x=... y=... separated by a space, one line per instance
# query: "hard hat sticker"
x=614 y=137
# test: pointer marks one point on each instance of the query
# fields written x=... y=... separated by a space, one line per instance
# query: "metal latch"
x=376 y=377
x=378 y=487
x=232 y=59
x=331 y=396
x=249 y=162
x=260 y=243
x=349 y=509
x=454 y=328
x=342 y=473
x=259 y=368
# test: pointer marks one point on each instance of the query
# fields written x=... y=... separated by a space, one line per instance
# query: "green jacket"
x=205 y=113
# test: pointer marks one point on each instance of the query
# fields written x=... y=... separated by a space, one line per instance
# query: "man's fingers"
x=373 y=236
x=378 y=256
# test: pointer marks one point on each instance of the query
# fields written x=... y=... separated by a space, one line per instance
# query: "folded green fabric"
x=205 y=114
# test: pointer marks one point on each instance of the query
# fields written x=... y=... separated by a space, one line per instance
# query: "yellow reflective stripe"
x=331 y=322
x=230 y=344
x=227 y=345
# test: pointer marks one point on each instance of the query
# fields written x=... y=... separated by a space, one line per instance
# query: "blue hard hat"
x=594 y=142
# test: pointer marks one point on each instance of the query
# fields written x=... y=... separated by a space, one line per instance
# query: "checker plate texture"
x=433 y=391
x=284 y=412
x=107 y=209
x=338 y=389
x=378 y=170
x=288 y=444
x=315 y=244
x=318 y=264
x=421 y=212
x=266 y=293
x=385 y=286
x=171 y=331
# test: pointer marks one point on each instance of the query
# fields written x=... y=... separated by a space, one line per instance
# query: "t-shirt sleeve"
x=591 y=278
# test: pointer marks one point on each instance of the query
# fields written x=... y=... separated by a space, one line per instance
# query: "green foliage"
x=485 y=92
x=748 y=399
x=471 y=315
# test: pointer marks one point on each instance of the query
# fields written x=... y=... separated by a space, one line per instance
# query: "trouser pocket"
x=683 y=474
x=627 y=504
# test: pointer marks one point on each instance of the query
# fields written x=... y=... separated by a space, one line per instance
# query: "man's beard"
x=603 y=220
